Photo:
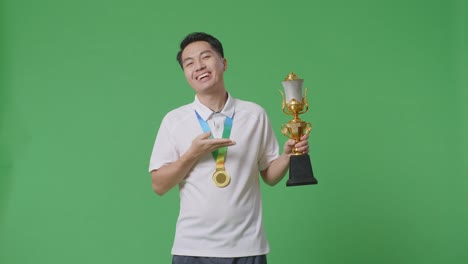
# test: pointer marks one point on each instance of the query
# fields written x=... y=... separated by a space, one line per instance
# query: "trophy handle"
x=283 y=104
x=307 y=129
x=305 y=102
x=285 y=130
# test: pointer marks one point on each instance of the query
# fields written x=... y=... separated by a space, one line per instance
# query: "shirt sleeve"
x=164 y=150
x=270 y=147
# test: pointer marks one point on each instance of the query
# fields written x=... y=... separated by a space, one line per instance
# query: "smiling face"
x=203 y=68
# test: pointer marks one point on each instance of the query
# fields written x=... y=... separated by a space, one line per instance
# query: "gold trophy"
x=294 y=104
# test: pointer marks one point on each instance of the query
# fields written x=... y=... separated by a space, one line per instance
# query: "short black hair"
x=199 y=36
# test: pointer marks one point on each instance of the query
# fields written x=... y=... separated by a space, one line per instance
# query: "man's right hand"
x=203 y=144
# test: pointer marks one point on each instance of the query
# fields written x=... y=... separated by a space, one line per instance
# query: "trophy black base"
x=300 y=171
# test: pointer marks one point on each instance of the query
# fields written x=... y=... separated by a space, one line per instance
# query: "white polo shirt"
x=213 y=221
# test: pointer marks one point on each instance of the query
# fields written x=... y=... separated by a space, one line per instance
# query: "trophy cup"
x=300 y=167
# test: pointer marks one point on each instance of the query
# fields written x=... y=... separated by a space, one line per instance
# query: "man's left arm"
x=278 y=167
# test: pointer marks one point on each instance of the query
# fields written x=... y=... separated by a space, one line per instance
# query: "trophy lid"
x=292 y=76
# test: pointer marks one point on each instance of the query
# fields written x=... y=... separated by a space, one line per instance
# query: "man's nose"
x=200 y=65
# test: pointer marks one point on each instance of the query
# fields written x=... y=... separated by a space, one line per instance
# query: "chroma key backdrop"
x=85 y=84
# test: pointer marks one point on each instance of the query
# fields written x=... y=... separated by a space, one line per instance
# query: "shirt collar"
x=206 y=113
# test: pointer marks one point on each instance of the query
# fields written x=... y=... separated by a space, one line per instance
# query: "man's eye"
x=206 y=57
x=188 y=64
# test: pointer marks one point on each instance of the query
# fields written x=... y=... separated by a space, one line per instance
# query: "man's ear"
x=224 y=62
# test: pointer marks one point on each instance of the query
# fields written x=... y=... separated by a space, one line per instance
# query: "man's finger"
x=223 y=141
x=204 y=135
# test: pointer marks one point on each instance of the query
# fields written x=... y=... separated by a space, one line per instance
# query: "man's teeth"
x=202 y=76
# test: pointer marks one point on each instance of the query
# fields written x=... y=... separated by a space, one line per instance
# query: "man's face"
x=203 y=67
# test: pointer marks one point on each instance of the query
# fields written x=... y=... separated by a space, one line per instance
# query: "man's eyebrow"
x=206 y=51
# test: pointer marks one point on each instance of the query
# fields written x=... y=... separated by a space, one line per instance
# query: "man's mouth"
x=203 y=76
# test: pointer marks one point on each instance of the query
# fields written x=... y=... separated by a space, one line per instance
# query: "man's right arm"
x=168 y=176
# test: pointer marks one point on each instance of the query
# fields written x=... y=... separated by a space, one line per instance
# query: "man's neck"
x=215 y=102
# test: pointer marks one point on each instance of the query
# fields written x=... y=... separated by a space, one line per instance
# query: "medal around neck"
x=221 y=178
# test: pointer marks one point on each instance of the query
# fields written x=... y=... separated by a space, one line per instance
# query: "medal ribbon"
x=219 y=154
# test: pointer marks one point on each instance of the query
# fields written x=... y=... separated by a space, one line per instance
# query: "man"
x=214 y=149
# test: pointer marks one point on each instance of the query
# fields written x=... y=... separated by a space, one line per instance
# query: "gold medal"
x=221 y=178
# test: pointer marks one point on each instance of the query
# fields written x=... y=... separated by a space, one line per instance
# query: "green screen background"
x=85 y=84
